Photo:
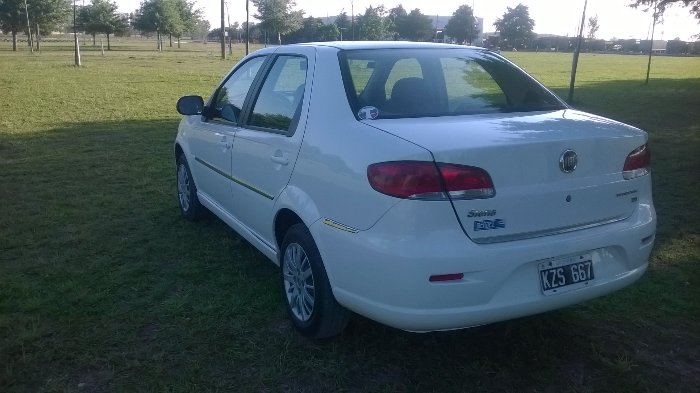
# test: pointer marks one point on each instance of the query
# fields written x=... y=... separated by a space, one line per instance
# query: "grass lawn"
x=104 y=287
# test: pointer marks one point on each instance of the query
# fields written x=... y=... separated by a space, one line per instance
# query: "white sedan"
x=424 y=186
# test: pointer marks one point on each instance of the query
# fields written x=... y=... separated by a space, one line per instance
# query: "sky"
x=561 y=17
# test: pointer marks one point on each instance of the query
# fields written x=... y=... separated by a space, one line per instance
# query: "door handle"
x=279 y=158
x=225 y=142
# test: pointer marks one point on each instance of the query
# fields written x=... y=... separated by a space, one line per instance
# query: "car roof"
x=353 y=45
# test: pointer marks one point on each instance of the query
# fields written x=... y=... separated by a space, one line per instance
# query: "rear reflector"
x=429 y=181
x=446 y=277
x=637 y=163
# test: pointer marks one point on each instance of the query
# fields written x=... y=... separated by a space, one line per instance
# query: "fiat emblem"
x=568 y=161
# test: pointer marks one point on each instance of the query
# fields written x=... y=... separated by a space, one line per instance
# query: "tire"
x=315 y=313
x=190 y=208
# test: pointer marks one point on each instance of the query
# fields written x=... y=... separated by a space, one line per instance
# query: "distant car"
x=424 y=186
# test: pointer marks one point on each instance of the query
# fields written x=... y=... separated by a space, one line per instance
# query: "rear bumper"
x=383 y=273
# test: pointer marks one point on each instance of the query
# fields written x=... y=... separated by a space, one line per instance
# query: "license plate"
x=566 y=274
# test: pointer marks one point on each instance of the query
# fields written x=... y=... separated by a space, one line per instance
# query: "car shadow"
x=93 y=240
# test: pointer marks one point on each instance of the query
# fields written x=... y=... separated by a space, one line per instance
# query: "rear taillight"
x=637 y=163
x=466 y=182
x=429 y=181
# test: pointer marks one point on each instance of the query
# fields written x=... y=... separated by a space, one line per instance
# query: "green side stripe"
x=233 y=179
x=337 y=225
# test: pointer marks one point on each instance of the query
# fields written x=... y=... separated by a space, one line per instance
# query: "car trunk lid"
x=536 y=195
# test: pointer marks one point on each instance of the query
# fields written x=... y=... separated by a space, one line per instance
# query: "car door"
x=268 y=141
x=212 y=137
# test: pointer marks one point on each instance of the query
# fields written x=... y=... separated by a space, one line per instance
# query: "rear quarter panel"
x=332 y=165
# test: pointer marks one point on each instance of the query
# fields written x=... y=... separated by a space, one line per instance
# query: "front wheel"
x=307 y=292
x=187 y=191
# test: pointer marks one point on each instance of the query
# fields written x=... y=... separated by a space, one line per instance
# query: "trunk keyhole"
x=568 y=198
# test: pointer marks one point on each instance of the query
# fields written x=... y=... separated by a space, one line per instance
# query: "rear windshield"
x=396 y=83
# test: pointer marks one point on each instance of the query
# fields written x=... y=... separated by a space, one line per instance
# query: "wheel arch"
x=284 y=220
x=178 y=150
x=180 y=147
x=294 y=206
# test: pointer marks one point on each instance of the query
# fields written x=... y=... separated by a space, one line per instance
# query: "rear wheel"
x=306 y=290
x=187 y=191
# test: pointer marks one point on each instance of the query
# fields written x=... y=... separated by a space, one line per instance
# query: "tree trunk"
x=94 y=39
x=279 y=38
x=38 y=38
x=109 y=47
x=30 y=42
x=170 y=37
x=178 y=42
x=14 y=41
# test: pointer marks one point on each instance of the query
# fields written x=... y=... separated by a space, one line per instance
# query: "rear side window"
x=361 y=70
x=279 y=102
x=397 y=83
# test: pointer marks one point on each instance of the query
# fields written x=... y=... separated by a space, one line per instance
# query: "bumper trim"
x=548 y=232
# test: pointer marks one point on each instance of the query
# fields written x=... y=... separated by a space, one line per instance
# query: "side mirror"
x=190 y=105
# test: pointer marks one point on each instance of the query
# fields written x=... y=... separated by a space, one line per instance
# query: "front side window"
x=230 y=97
x=279 y=102
x=397 y=83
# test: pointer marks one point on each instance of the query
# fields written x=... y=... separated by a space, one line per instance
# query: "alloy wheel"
x=183 y=187
x=299 y=282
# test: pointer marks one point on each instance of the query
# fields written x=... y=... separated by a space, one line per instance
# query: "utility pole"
x=223 y=31
x=75 y=38
x=352 y=18
x=651 y=44
x=29 y=27
x=228 y=16
x=471 y=25
x=247 y=28
x=436 y=28
x=574 y=65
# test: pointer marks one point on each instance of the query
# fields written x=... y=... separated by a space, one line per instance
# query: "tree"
x=662 y=4
x=45 y=14
x=48 y=15
x=202 y=29
x=416 y=26
x=398 y=15
x=215 y=34
x=187 y=20
x=278 y=16
x=314 y=30
x=593 y=26
x=413 y=26
x=307 y=32
x=329 y=32
x=12 y=19
x=374 y=24
x=84 y=22
x=102 y=17
x=462 y=25
x=515 y=27
x=157 y=16
x=255 y=31
x=342 y=22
